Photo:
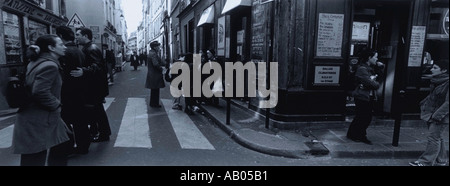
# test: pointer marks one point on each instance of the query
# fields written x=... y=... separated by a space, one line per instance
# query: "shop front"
x=22 y=23
x=317 y=43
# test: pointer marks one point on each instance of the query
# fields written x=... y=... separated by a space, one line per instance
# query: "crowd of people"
x=68 y=87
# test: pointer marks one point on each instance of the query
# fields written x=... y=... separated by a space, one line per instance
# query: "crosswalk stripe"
x=5 y=118
x=189 y=136
x=6 y=137
x=108 y=103
x=134 y=131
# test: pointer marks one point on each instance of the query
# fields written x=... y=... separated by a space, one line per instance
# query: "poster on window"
x=221 y=36
x=35 y=30
x=330 y=35
x=12 y=38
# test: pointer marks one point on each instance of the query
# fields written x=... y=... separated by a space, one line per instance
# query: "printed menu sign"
x=330 y=35
x=417 y=46
x=327 y=75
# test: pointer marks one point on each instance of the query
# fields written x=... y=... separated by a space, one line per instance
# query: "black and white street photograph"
x=241 y=88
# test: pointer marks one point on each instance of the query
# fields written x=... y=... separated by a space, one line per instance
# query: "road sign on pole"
x=76 y=22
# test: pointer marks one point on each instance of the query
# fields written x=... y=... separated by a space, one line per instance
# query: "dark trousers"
x=81 y=134
x=99 y=122
x=154 y=97
x=362 y=120
x=56 y=157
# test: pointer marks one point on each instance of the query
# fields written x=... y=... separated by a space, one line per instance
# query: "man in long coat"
x=155 y=80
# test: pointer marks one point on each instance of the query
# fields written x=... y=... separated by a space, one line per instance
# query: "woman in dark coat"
x=39 y=125
x=155 y=78
x=368 y=79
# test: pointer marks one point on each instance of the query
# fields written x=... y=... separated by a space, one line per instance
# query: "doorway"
x=382 y=25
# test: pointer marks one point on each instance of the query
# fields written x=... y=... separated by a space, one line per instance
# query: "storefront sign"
x=32 y=11
x=327 y=75
x=417 y=46
x=240 y=36
x=361 y=31
x=330 y=35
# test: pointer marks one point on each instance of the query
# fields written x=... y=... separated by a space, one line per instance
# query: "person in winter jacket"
x=39 y=126
x=368 y=79
x=434 y=111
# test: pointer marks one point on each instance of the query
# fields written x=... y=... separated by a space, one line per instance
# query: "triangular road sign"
x=76 y=22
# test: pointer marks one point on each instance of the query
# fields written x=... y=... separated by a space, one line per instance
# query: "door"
x=383 y=26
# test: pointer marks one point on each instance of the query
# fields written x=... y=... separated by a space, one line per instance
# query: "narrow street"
x=143 y=136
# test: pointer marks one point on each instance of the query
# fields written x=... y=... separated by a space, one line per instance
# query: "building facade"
x=316 y=44
x=22 y=22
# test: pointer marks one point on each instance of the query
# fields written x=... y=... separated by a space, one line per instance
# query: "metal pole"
x=398 y=118
x=269 y=57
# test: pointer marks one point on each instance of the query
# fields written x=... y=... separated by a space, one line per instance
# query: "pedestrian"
x=217 y=85
x=189 y=100
x=155 y=78
x=145 y=58
x=73 y=92
x=434 y=111
x=119 y=61
x=134 y=61
x=368 y=79
x=95 y=73
x=39 y=127
x=177 y=101
x=142 y=58
x=111 y=64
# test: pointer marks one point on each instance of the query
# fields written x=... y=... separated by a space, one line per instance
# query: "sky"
x=133 y=14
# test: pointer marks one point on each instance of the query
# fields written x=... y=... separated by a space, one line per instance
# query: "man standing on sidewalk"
x=95 y=72
x=434 y=111
x=73 y=91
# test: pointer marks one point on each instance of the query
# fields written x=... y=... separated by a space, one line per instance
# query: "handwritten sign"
x=330 y=35
x=327 y=75
x=417 y=46
x=258 y=47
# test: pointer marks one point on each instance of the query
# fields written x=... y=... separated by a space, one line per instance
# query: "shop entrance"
x=381 y=25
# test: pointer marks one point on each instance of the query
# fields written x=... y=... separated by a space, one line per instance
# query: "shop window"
x=13 y=42
x=437 y=42
x=35 y=30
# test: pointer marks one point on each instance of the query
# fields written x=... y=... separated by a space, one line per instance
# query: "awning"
x=232 y=4
x=207 y=16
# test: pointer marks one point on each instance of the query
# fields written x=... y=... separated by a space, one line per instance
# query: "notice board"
x=330 y=35
x=417 y=46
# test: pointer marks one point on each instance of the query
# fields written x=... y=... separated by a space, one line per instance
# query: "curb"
x=241 y=137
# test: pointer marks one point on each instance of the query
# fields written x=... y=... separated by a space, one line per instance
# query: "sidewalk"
x=317 y=139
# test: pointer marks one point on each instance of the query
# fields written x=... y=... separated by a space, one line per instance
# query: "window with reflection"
x=35 y=30
x=437 y=43
x=12 y=39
